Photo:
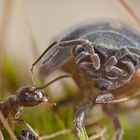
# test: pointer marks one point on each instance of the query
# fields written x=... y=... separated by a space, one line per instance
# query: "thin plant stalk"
x=3 y=26
x=28 y=27
x=7 y=127
x=1 y=136
x=98 y=135
x=58 y=133
x=131 y=14
x=5 y=20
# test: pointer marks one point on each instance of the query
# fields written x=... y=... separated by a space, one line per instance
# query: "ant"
x=25 y=97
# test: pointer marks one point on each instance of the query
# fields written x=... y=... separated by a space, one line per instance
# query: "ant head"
x=31 y=96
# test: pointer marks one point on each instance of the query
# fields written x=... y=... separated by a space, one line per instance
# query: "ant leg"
x=114 y=117
x=38 y=59
x=6 y=126
x=81 y=114
x=20 y=121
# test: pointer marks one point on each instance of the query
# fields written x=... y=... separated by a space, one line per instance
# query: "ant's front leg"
x=81 y=115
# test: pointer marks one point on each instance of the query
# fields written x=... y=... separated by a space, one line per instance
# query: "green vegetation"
x=47 y=120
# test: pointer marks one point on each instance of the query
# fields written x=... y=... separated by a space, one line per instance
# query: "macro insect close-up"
x=105 y=57
x=25 y=97
x=100 y=53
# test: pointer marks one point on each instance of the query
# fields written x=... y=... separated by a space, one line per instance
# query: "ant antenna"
x=54 y=80
x=38 y=59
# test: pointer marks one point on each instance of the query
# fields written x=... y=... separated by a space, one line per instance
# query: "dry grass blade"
x=98 y=135
x=3 y=27
x=7 y=127
x=129 y=12
x=5 y=19
x=32 y=130
x=1 y=136
x=23 y=16
x=58 y=133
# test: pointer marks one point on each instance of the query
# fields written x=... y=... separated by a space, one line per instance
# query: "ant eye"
x=38 y=94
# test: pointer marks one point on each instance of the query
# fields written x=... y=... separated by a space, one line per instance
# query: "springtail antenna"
x=54 y=80
x=38 y=59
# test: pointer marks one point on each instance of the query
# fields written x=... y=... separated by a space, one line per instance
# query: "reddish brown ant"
x=25 y=97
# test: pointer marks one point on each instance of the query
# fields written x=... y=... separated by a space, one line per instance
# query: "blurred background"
x=27 y=27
